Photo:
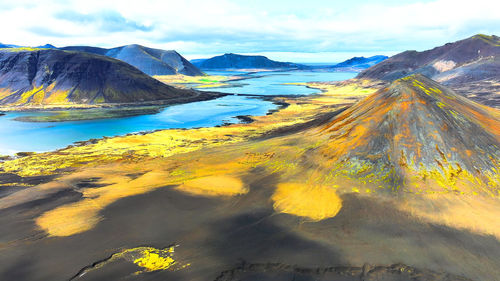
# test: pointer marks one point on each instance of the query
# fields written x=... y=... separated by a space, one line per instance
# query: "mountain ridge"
x=149 y=60
x=236 y=61
x=30 y=76
x=470 y=66
x=437 y=60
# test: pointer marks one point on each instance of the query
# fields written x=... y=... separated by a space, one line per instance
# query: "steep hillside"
x=478 y=49
x=418 y=136
x=235 y=61
x=148 y=60
x=472 y=60
x=31 y=76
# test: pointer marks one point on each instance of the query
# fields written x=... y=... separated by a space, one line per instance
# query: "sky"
x=289 y=30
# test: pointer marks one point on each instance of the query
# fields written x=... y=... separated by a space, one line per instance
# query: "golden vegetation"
x=152 y=259
x=37 y=97
x=214 y=186
x=309 y=166
x=21 y=49
x=148 y=258
x=112 y=159
x=166 y=143
x=81 y=216
x=315 y=202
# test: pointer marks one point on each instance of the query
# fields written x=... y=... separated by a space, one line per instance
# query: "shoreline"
x=244 y=119
x=202 y=96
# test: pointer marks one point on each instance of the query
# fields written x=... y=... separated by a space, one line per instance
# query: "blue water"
x=272 y=82
x=18 y=136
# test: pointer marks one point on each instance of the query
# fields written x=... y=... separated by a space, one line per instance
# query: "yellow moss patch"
x=68 y=220
x=316 y=202
x=20 y=49
x=148 y=258
x=57 y=97
x=214 y=186
x=36 y=94
x=153 y=259
x=83 y=215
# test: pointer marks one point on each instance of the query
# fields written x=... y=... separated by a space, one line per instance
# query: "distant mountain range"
x=169 y=62
x=148 y=60
x=8 y=46
x=470 y=66
x=50 y=76
x=235 y=61
x=357 y=63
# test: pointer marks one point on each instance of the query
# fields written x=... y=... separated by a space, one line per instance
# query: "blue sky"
x=301 y=31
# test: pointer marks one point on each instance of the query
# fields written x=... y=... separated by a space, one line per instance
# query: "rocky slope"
x=472 y=60
x=40 y=77
x=416 y=135
x=148 y=60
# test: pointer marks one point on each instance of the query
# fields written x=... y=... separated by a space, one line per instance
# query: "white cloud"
x=218 y=26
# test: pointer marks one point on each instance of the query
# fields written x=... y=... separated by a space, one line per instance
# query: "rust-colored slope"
x=415 y=130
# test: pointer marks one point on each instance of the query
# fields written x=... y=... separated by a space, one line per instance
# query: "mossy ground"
x=217 y=161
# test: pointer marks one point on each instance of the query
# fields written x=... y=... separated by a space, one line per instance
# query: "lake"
x=16 y=136
x=271 y=83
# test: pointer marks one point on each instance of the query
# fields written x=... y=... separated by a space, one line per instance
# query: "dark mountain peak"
x=416 y=129
x=419 y=87
x=40 y=77
x=47 y=46
x=149 y=60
